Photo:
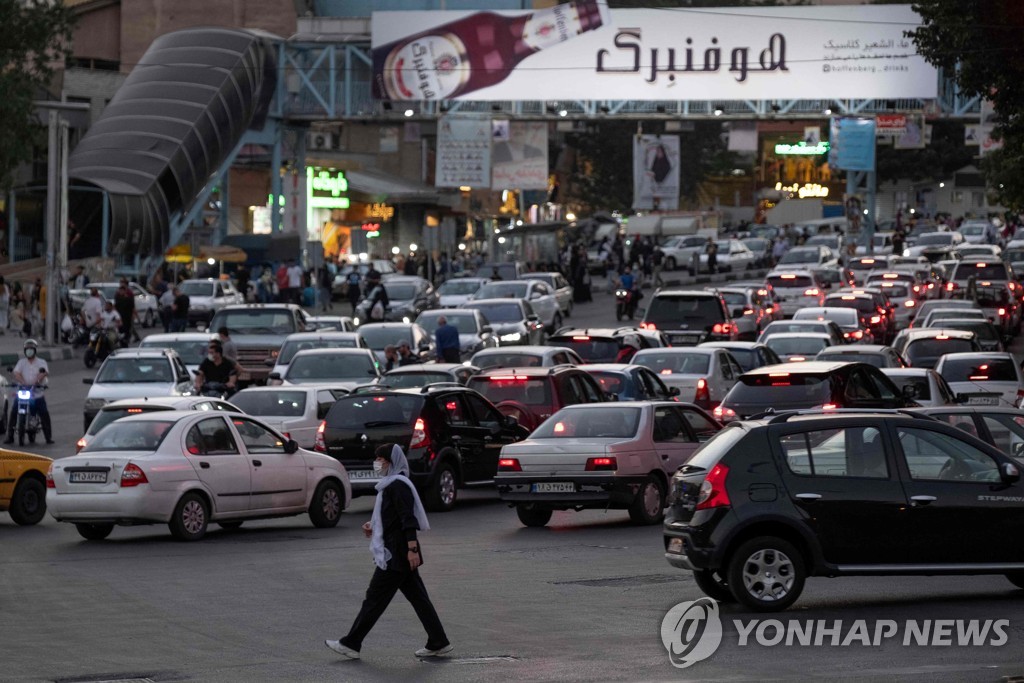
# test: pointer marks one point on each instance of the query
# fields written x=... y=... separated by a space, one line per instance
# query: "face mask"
x=29 y=353
x=378 y=466
x=210 y=357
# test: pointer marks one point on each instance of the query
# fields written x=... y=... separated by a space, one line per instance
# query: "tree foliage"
x=36 y=36
x=979 y=44
x=937 y=161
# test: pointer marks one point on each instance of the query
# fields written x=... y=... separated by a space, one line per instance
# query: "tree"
x=36 y=36
x=946 y=154
x=979 y=45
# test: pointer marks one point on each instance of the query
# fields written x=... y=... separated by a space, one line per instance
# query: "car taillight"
x=420 y=438
x=318 y=441
x=80 y=444
x=1002 y=312
x=910 y=303
x=132 y=475
x=813 y=291
x=712 y=491
x=509 y=465
x=721 y=328
x=703 y=396
x=950 y=286
x=601 y=464
x=647 y=326
x=875 y=319
x=829 y=406
x=49 y=478
x=1020 y=397
x=724 y=414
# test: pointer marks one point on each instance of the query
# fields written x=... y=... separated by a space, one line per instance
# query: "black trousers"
x=383 y=586
x=451 y=355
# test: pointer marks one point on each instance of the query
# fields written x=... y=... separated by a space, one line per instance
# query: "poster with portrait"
x=656 y=172
x=520 y=160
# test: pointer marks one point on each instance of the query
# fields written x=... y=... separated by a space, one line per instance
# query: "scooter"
x=29 y=423
x=625 y=303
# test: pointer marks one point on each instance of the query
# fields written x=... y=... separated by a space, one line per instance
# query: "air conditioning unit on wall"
x=321 y=141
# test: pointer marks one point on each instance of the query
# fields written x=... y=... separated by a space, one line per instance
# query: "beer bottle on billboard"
x=474 y=52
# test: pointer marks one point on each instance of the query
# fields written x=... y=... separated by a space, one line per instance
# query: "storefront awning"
x=386 y=187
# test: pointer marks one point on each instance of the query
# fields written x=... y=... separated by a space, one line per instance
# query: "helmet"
x=631 y=340
x=31 y=342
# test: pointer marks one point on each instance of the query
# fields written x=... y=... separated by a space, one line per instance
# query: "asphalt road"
x=580 y=600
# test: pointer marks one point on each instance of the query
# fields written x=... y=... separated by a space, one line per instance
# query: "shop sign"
x=381 y=211
x=803 y=191
x=371 y=229
x=325 y=189
x=802 y=149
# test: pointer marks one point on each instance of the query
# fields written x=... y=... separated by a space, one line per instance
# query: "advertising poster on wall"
x=852 y=143
x=656 y=172
x=521 y=160
x=581 y=50
x=463 y=152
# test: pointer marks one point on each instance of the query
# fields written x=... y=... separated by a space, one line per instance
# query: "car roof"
x=492 y=301
x=613 y=367
x=323 y=334
x=811 y=367
x=678 y=350
x=450 y=311
x=790 y=271
x=822 y=310
x=388 y=325
x=613 y=332
x=733 y=344
x=170 y=401
x=332 y=352
x=799 y=335
x=981 y=355
x=256 y=307
x=423 y=368
x=929 y=332
x=855 y=349
x=178 y=336
x=685 y=292
x=907 y=372
x=138 y=352
x=530 y=371
x=292 y=387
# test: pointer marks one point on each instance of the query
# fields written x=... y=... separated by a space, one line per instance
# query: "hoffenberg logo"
x=692 y=632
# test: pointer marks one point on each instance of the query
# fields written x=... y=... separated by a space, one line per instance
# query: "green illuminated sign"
x=324 y=189
x=802 y=149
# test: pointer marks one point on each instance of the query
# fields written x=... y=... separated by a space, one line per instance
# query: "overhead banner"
x=583 y=51
x=852 y=143
x=656 y=172
x=463 y=152
x=519 y=155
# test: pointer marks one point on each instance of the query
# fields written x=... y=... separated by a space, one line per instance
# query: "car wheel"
x=28 y=504
x=229 y=526
x=443 y=489
x=94 y=532
x=90 y=358
x=649 y=504
x=1016 y=578
x=328 y=502
x=147 y=321
x=191 y=515
x=766 y=574
x=713 y=585
x=670 y=263
x=531 y=515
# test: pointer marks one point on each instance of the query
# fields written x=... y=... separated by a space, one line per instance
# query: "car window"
x=594 y=423
x=257 y=438
x=844 y=452
x=455 y=410
x=586 y=389
x=702 y=427
x=931 y=456
x=859 y=387
x=878 y=380
x=1007 y=432
x=669 y=427
x=486 y=414
x=211 y=437
x=222 y=407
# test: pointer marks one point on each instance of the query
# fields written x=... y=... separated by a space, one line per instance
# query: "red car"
x=532 y=395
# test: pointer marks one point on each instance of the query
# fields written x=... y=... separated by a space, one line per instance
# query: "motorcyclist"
x=216 y=368
x=31 y=371
x=110 y=322
x=630 y=345
x=92 y=308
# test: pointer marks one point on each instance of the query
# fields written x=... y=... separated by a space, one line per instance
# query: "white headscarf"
x=398 y=470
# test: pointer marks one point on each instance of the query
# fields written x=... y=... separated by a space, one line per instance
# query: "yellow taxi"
x=23 y=485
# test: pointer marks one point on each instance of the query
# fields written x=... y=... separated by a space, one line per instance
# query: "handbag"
x=377 y=312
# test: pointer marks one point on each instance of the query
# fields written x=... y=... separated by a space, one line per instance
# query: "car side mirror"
x=270 y=362
x=673 y=391
x=910 y=391
x=291 y=446
x=511 y=421
x=87 y=380
x=961 y=398
x=274 y=376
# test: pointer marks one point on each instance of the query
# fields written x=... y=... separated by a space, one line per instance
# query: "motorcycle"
x=99 y=346
x=216 y=390
x=29 y=423
x=625 y=303
x=78 y=336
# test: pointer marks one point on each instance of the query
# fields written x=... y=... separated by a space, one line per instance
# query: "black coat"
x=398 y=517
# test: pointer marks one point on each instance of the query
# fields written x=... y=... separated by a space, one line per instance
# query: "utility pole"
x=56 y=221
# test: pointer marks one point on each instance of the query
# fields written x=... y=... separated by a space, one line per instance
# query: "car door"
x=842 y=482
x=953 y=485
x=544 y=302
x=721 y=378
x=220 y=465
x=278 y=477
x=497 y=433
x=672 y=439
x=468 y=437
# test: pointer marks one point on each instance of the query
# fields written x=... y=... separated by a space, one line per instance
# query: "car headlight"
x=906 y=252
x=405 y=319
x=514 y=337
x=95 y=403
x=355 y=321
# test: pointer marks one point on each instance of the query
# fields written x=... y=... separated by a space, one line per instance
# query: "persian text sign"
x=806 y=52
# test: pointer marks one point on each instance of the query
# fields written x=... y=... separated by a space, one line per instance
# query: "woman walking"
x=397 y=516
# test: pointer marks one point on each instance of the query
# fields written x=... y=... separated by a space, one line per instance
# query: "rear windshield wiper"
x=384 y=423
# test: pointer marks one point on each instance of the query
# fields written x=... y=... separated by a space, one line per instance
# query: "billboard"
x=581 y=50
x=656 y=172
x=463 y=151
x=519 y=155
x=852 y=143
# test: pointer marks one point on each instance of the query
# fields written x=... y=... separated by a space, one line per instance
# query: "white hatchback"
x=703 y=375
x=346 y=368
x=295 y=411
x=136 y=373
x=984 y=379
x=796 y=289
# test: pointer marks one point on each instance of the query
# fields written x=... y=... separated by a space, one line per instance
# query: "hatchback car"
x=524 y=357
x=458 y=290
x=627 y=382
x=408 y=296
x=137 y=406
x=307 y=341
x=873 y=354
x=187 y=469
x=733 y=256
x=922 y=348
x=560 y=286
x=602 y=456
x=982 y=269
x=531 y=395
x=513 y=321
x=928 y=387
x=602 y=345
x=847 y=319
x=136 y=373
x=541 y=297
x=689 y=317
x=452 y=437
x=862 y=265
x=416 y=376
x=345 y=368
x=809 y=257
x=796 y=289
x=987 y=378
x=797 y=347
x=703 y=375
x=749 y=355
x=23 y=486
x=909 y=479
x=475 y=331
x=750 y=310
x=294 y=411
x=873 y=317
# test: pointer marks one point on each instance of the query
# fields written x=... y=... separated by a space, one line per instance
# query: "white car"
x=732 y=257
x=936 y=316
x=134 y=406
x=847 y=319
x=703 y=375
x=974 y=232
x=541 y=297
x=347 y=368
x=330 y=323
x=207 y=297
x=136 y=373
x=295 y=411
x=976 y=251
x=680 y=250
x=306 y=341
x=796 y=289
x=475 y=332
x=145 y=303
x=933 y=240
x=458 y=290
x=986 y=378
x=187 y=469
x=524 y=357
x=881 y=243
x=817 y=258
x=191 y=347
x=559 y=285
x=750 y=310
x=930 y=389
x=797 y=347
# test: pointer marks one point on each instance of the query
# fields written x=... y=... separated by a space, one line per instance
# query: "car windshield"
x=734 y=299
x=866 y=264
x=933 y=348
x=255 y=321
x=972 y=230
x=459 y=287
x=108 y=415
x=861 y=303
x=982 y=329
x=465 y=323
x=922 y=386
x=508 y=360
x=747 y=358
x=400 y=291
x=369 y=411
x=790 y=281
x=695 y=311
x=283 y=403
x=136 y=435
x=410 y=380
x=674 y=363
x=800 y=256
x=379 y=337
x=135 y=370
x=107 y=291
x=196 y=288
x=190 y=352
x=501 y=290
x=952 y=314
x=590 y=423
x=530 y=391
x=800 y=346
x=935 y=239
x=988 y=297
x=982 y=270
x=500 y=313
x=756 y=245
x=292 y=347
x=895 y=291
x=979 y=369
x=320 y=367
x=590 y=349
x=781 y=388
x=612 y=382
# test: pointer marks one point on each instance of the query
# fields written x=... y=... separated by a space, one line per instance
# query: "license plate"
x=983 y=401
x=87 y=477
x=363 y=474
x=554 y=487
x=684 y=338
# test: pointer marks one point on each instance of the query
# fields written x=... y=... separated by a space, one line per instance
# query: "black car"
x=452 y=437
x=689 y=317
x=1000 y=426
x=814 y=384
x=767 y=503
x=630 y=382
x=602 y=345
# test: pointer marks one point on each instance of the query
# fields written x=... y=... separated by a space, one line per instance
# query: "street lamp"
x=396 y=251
x=412 y=247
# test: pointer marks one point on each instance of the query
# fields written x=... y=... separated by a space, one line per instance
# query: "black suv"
x=451 y=435
x=815 y=384
x=764 y=504
x=602 y=345
x=689 y=317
